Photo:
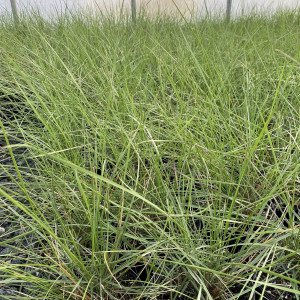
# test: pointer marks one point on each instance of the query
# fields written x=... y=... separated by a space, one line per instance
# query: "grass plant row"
x=155 y=160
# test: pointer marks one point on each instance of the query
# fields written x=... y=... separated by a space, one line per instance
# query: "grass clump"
x=159 y=160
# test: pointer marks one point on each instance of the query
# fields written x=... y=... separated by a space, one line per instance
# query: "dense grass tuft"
x=154 y=160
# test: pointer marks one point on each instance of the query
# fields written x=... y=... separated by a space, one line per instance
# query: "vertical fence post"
x=15 y=11
x=228 y=9
x=133 y=10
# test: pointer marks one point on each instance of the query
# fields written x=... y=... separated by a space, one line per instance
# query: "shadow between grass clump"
x=16 y=241
x=12 y=107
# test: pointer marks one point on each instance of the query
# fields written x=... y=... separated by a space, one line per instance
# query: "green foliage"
x=166 y=157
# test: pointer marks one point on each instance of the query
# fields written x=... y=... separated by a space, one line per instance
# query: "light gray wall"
x=46 y=6
x=49 y=6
